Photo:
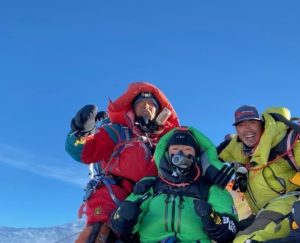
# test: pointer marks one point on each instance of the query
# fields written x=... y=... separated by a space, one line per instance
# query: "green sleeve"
x=73 y=148
x=221 y=201
x=210 y=151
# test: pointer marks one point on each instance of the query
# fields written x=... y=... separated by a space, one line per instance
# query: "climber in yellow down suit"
x=266 y=154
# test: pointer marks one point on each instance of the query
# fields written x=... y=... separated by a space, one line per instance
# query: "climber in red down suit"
x=123 y=147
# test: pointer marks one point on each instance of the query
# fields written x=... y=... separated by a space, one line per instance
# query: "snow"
x=66 y=233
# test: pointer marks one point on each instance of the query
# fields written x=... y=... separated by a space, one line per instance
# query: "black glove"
x=225 y=231
x=84 y=121
x=125 y=217
x=220 y=177
x=220 y=228
x=241 y=180
x=101 y=115
x=205 y=211
x=143 y=186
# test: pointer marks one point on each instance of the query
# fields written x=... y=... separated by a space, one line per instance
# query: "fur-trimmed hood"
x=120 y=111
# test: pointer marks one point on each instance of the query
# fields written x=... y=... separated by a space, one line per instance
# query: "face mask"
x=182 y=162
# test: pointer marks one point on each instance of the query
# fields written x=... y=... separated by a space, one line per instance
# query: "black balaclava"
x=183 y=138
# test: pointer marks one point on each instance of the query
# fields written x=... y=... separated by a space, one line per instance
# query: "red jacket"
x=128 y=158
x=133 y=161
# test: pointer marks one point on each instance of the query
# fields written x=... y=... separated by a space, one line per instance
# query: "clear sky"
x=208 y=57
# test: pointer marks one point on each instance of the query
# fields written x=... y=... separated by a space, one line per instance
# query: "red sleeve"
x=98 y=148
x=152 y=170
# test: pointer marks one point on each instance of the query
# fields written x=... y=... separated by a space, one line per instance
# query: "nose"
x=146 y=103
x=183 y=153
x=248 y=127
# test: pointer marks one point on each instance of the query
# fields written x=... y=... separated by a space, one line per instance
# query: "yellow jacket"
x=265 y=181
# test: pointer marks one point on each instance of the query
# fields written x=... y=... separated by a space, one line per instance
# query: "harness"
x=198 y=189
x=285 y=148
x=121 y=136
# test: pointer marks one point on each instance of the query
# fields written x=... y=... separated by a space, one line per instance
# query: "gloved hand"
x=84 y=121
x=241 y=179
x=225 y=231
x=101 y=115
x=220 y=177
x=205 y=212
x=220 y=228
x=125 y=217
x=143 y=186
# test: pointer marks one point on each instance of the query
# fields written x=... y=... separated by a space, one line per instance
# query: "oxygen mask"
x=182 y=161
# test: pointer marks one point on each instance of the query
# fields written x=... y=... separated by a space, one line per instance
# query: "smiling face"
x=249 y=132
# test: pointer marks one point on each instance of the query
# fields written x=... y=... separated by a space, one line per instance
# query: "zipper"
x=251 y=194
x=166 y=211
x=180 y=207
x=173 y=212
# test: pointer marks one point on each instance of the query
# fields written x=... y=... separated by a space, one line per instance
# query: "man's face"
x=186 y=150
x=249 y=132
x=146 y=109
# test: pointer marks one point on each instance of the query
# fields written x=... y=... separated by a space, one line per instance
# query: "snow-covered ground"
x=66 y=233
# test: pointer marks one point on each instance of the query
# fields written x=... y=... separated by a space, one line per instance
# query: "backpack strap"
x=284 y=149
x=120 y=135
x=287 y=122
x=198 y=189
x=291 y=141
x=287 y=144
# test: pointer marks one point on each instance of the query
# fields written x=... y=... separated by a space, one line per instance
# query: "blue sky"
x=208 y=57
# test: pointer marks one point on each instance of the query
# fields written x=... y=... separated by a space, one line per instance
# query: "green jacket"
x=265 y=181
x=164 y=215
